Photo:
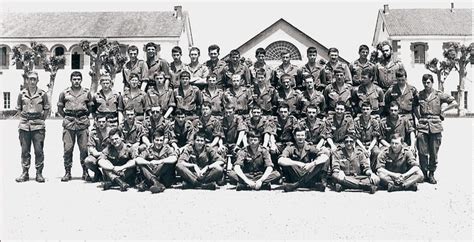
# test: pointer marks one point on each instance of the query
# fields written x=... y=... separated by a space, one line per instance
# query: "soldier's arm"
x=268 y=171
x=240 y=139
x=61 y=103
x=168 y=160
x=240 y=173
x=93 y=151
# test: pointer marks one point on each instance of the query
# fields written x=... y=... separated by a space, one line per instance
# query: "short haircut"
x=338 y=70
x=194 y=48
x=307 y=76
x=427 y=77
x=176 y=49
x=366 y=104
x=311 y=50
x=253 y=134
x=158 y=73
x=332 y=49
x=212 y=74
x=255 y=106
x=395 y=136
x=151 y=44
x=130 y=109
x=201 y=134
x=260 y=51
x=341 y=103
x=386 y=42
x=394 y=104
x=76 y=73
x=132 y=75
x=363 y=47
x=284 y=105
x=132 y=48
x=284 y=52
x=184 y=73
x=234 y=52
x=158 y=133
x=298 y=129
x=261 y=71
x=115 y=131
x=33 y=73
x=312 y=106
x=214 y=47
x=400 y=73
x=178 y=112
x=206 y=104
x=285 y=76
x=368 y=71
x=229 y=106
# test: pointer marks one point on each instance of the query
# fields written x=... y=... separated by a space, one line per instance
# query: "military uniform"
x=332 y=95
x=152 y=125
x=189 y=101
x=118 y=157
x=329 y=70
x=216 y=99
x=181 y=135
x=430 y=127
x=338 y=130
x=133 y=133
x=140 y=68
x=315 y=71
x=356 y=69
x=76 y=123
x=291 y=70
x=293 y=100
x=283 y=131
x=164 y=173
x=374 y=95
x=314 y=131
x=240 y=99
x=385 y=74
x=253 y=165
x=200 y=71
x=139 y=103
x=231 y=130
x=156 y=65
x=229 y=70
x=175 y=70
x=366 y=131
x=33 y=110
x=265 y=99
x=108 y=106
x=406 y=99
x=401 y=126
x=216 y=67
x=316 y=99
x=262 y=126
x=99 y=142
x=211 y=127
x=162 y=98
x=400 y=163
x=257 y=66
x=206 y=157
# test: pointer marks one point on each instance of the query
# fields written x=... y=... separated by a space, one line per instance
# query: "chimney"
x=178 y=12
x=452 y=7
x=385 y=9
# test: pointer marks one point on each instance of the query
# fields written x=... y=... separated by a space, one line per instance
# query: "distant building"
x=419 y=35
x=61 y=32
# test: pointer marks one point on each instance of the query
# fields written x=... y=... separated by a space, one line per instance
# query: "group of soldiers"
x=359 y=126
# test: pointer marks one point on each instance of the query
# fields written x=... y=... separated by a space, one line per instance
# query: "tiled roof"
x=90 y=24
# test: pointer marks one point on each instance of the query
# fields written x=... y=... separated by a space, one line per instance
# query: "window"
x=274 y=50
x=3 y=58
x=455 y=95
x=6 y=100
x=419 y=52
x=59 y=51
x=76 y=61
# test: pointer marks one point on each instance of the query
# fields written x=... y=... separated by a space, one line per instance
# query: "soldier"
x=199 y=165
x=286 y=94
x=338 y=91
x=394 y=123
x=304 y=165
x=283 y=70
x=33 y=106
x=74 y=105
x=214 y=65
x=338 y=125
x=234 y=129
x=387 y=67
x=311 y=68
x=134 y=133
x=262 y=125
x=351 y=169
x=117 y=162
x=367 y=92
x=311 y=96
x=397 y=167
x=155 y=122
x=98 y=141
x=239 y=96
x=107 y=102
x=360 y=65
x=253 y=169
x=367 y=132
x=431 y=115
x=314 y=126
x=181 y=131
x=156 y=163
x=159 y=96
x=264 y=94
x=198 y=71
x=176 y=66
x=260 y=64
x=155 y=64
x=404 y=94
x=135 y=98
x=334 y=64
x=188 y=98
x=214 y=95
x=282 y=132
x=134 y=65
x=211 y=126
x=235 y=67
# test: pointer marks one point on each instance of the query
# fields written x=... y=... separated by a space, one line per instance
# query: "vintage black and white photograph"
x=236 y=120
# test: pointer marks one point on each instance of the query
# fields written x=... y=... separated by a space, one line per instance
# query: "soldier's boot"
x=85 y=174
x=123 y=185
x=290 y=187
x=431 y=178
x=39 y=175
x=209 y=186
x=157 y=187
x=97 y=177
x=67 y=175
x=370 y=188
x=142 y=186
x=24 y=176
x=393 y=188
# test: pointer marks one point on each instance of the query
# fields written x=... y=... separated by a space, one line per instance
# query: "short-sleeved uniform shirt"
x=283 y=131
x=291 y=70
x=215 y=67
x=210 y=126
x=374 y=95
x=231 y=128
x=263 y=125
x=157 y=65
x=329 y=70
x=240 y=99
x=229 y=70
x=356 y=69
x=332 y=95
x=293 y=99
x=97 y=141
x=110 y=104
x=118 y=156
x=430 y=110
x=216 y=99
x=407 y=99
x=338 y=129
x=32 y=109
x=199 y=71
x=205 y=157
x=367 y=130
x=354 y=164
x=266 y=98
x=161 y=124
x=133 y=133
x=386 y=72
x=175 y=70
x=188 y=100
x=140 y=68
x=306 y=154
x=139 y=102
x=315 y=71
x=257 y=66
x=401 y=126
x=182 y=134
x=76 y=108
x=399 y=162
x=152 y=153
x=162 y=98
x=253 y=162
x=316 y=98
x=315 y=131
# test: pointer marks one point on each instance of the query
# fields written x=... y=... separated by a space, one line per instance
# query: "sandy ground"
x=79 y=210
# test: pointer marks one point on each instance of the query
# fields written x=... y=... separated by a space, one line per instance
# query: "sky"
x=341 y=24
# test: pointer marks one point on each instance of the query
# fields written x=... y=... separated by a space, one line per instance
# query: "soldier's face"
x=133 y=54
x=283 y=112
x=236 y=81
x=185 y=81
x=76 y=81
x=386 y=51
x=32 y=80
x=394 y=111
x=106 y=84
x=401 y=80
x=229 y=112
x=160 y=80
x=206 y=111
x=312 y=57
x=428 y=84
x=199 y=142
x=180 y=119
x=101 y=123
x=261 y=79
x=176 y=56
x=364 y=53
x=339 y=77
x=366 y=111
x=212 y=81
x=311 y=113
x=256 y=113
x=235 y=59
x=333 y=56
x=349 y=143
x=396 y=144
x=340 y=109
x=194 y=56
x=130 y=115
x=151 y=51
x=309 y=82
x=300 y=137
x=254 y=141
x=286 y=83
x=158 y=141
x=213 y=54
x=365 y=79
x=156 y=112
x=116 y=140
x=260 y=57
x=134 y=82
x=285 y=58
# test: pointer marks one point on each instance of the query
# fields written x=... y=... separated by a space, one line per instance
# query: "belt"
x=79 y=114
x=31 y=116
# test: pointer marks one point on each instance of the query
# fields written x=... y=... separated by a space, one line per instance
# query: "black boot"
x=157 y=187
x=97 y=177
x=370 y=188
x=67 y=175
x=123 y=185
x=24 y=176
x=39 y=175
x=393 y=188
x=142 y=186
x=431 y=178
x=290 y=187
x=85 y=174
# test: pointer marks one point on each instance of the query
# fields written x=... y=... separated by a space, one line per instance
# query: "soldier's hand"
x=413 y=149
x=308 y=166
x=373 y=178
x=341 y=175
x=252 y=184
x=221 y=148
x=258 y=185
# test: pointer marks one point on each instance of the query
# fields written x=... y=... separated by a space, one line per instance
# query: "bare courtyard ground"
x=79 y=210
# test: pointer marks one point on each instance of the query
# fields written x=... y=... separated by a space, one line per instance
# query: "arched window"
x=77 y=58
x=419 y=52
x=19 y=65
x=4 y=56
x=274 y=50
x=59 y=50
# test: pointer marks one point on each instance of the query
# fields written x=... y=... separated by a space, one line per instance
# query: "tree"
x=441 y=69
x=107 y=58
